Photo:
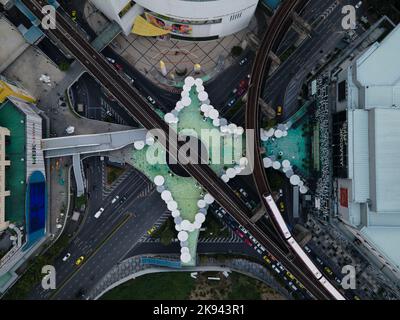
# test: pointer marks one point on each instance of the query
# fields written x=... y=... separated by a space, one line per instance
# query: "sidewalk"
x=132 y=268
x=145 y=53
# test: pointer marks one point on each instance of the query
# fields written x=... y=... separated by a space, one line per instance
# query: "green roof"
x=14 y=120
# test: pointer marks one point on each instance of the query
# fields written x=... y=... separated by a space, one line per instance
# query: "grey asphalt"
x=142 y=216
x=141 y=213
x=202 y=248
x=283 y=86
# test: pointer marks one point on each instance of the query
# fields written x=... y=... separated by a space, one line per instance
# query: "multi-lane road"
x=107 y=239
x=142 y=111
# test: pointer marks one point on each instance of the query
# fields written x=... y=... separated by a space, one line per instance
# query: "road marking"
x=66 y=281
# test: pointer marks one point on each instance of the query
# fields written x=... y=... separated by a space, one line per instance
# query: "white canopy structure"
x=294 y=179
x=185 y=257
x=186 y=101
x=201 y=203
x=231 y=173
x=159 y=180
x=189 y=81
x=183 y=236
x=276 y=165
x=203 y=96
x=139 y=145
x=166 y=195
x=172 y=205
x=225 y=178
x=267 y=162
x=286 y=163
x=208 y=198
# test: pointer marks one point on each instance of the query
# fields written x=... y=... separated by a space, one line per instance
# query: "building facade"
x=366 y=148
x=181 y=19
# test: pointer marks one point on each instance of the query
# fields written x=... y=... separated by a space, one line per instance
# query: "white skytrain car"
x=299 y=251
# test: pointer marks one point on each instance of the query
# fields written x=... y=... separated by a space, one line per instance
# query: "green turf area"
x=243 y=288
x=14 y=120
x=181 y=286
x=157 y=286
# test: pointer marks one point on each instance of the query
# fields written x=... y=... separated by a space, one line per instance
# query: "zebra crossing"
x=233 y=238
x=157 y=225
x=147 y=190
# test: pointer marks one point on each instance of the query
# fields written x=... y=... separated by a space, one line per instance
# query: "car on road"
x=151 y=230
x=231 y=102
x=359 y=4
x=79 y=261
x=74 y=15
x=267 y=260
x=243 y=229
x=276 y=269
x=151 y=100
x=114 y=199
x=319 y=261
x=328 y=271
x=291 y=284
x=110 y=60
x=282 y=207
x=129 y=78
x=248 y=242
x=244 y=193
x=279 y=110
x=66 y=257
x=81 y=293
x=243 y=61
x=123 y=199
x=98 y=213
x=239 y=233
x=118 y=67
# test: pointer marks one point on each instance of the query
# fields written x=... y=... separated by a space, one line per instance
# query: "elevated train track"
x=140 y=110
x=279 y=26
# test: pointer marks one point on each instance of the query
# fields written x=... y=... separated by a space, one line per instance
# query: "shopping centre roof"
x=378 y=71
x=385 y=155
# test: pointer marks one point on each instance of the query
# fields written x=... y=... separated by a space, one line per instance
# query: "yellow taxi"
x=79 y=261
x=151 y=230
x=73 y=15
x=279 y=110
x=267 y=260
x=328 y=271
x=282 y=206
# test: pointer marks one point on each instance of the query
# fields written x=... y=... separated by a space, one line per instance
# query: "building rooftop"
x=14 y=120
x=378 y=72
x=385 y=155
x=12 y=43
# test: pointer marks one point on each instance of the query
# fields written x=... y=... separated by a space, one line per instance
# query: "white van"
x=115 y=199
x=98 y=213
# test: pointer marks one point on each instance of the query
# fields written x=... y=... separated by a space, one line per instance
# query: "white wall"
x=206 y=10
x=197 y=9
x=186 y=10
x=111 y=8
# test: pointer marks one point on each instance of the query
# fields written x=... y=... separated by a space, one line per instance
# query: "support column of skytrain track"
x=141 y=111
